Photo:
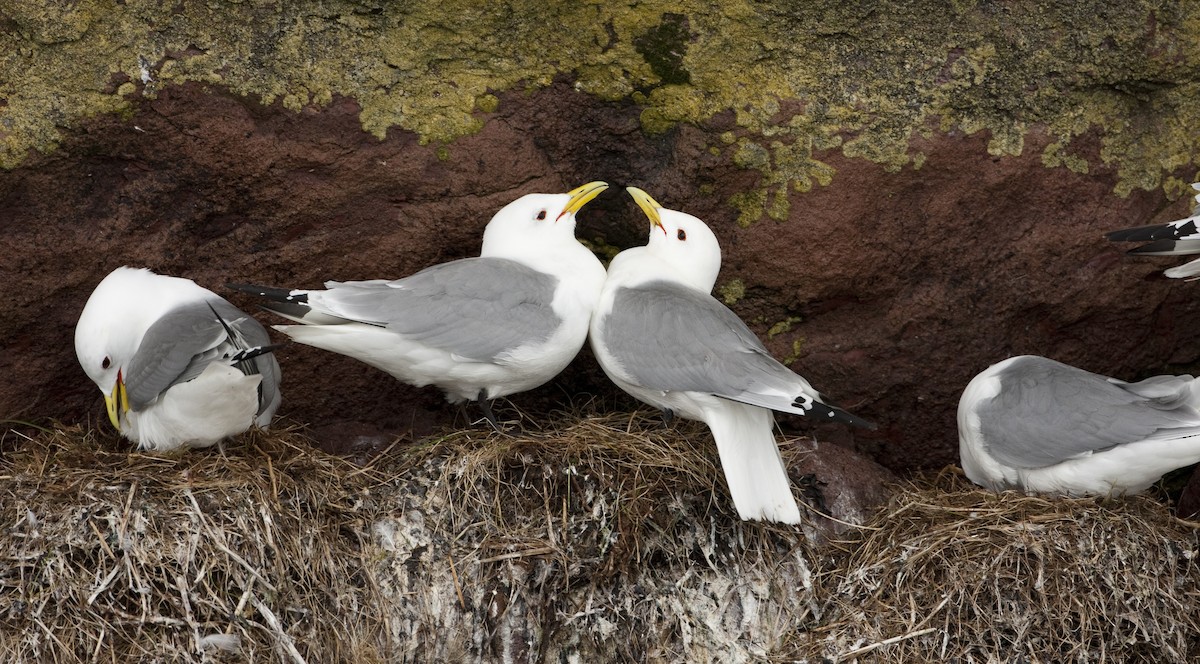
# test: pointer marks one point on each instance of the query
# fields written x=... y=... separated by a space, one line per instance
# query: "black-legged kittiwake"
x=661 y=337
x=1040 y=426
x=478 y=328
x=1175 y=238
x=179 y=366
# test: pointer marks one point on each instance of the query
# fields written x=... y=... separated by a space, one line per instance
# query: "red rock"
x=906 y=283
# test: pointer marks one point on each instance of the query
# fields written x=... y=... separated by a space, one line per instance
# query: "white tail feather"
x=1185 y=271
x=754 y=469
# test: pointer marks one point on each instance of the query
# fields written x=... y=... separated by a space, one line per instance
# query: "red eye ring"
x=681 y=235
x=541 y=215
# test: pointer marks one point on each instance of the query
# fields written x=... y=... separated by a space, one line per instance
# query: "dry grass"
x=949 y=572
x=471 y=545
x=595 y=538
x=117 y=556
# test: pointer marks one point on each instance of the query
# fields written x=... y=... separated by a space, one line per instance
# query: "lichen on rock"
x=798 y=78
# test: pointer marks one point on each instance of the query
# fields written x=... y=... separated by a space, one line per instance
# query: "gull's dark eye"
x=541 y=215
x=681 y=234
x=106 y=363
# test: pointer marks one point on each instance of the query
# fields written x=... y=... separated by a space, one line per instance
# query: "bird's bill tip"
x=117 y=402
x=580 y=196
x=648 y=205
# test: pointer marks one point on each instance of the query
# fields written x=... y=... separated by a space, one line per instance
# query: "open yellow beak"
x=648 y=205
x=580 y=197
x=117 y=402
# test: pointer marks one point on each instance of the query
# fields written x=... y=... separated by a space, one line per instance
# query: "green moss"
x=782 y=326
x=1055 y=155
x=732 y=291
x=663 y=48
x=487 y=103
x=800 y=79
x=797 y=351
x=750 y=206
x=599 y=245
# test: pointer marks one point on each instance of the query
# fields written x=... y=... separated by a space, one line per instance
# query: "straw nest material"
x=948 y=572
x=593 y=539
x=598 y=538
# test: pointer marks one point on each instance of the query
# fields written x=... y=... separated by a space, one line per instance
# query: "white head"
x=536 y=221
x=110 y=329
x=104 y=341
x=681 y=241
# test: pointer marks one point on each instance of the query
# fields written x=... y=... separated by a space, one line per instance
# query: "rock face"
x=903 y=197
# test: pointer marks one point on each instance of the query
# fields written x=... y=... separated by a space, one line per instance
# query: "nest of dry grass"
x=601 y=537
x=124 y=557
x=949 y=572
x=594 y=538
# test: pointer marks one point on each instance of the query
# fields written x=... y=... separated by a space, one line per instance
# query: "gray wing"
x=249 y=333
x=182 y=343
x=476 y=308
x=1048 y=412
x=670 y=337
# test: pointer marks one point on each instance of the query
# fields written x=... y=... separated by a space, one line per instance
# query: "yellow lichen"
x=782 y=326
x=732 y=291
x=797 y=350
x=799 y=79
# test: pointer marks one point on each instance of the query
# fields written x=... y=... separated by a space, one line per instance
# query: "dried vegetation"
x=593 y=538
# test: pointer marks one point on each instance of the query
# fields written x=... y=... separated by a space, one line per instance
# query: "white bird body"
x=661 y=337
x=167 y=342
x=1042 y=427
x=219 y=403
x=463 y=378
x=478 y=328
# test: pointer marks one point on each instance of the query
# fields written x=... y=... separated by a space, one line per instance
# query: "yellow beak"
x=117 y=402
x=580 y=197
x=648 y=205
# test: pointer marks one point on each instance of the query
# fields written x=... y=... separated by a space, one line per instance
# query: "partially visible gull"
x=478 y=328
x=1175 y=238
x=662 y=338
x=1040 y=426
x=178 y=365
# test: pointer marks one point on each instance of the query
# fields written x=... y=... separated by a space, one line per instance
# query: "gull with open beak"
x=178 y=365
x=478 y=328
x=661 y=337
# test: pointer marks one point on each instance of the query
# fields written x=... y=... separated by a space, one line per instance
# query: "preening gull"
x=1040 y=426
x=478 y=328
x=178 y=365
x=1175 y=238
x=661 y=337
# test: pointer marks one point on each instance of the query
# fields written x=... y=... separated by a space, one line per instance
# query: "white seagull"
x=178 y=365
x=1175 y=238
x=1039 y=426
x=661 y=337
x=478 y=328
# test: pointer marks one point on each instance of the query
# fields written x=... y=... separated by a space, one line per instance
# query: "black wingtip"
x=251 y=353
x=820 y=411
x=1169 y=231
x=228 y=330
x=285 y=295
x=1138 y=234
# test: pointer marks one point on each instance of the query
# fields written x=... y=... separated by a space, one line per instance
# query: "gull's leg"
x=486 y=407
x=668 y=416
